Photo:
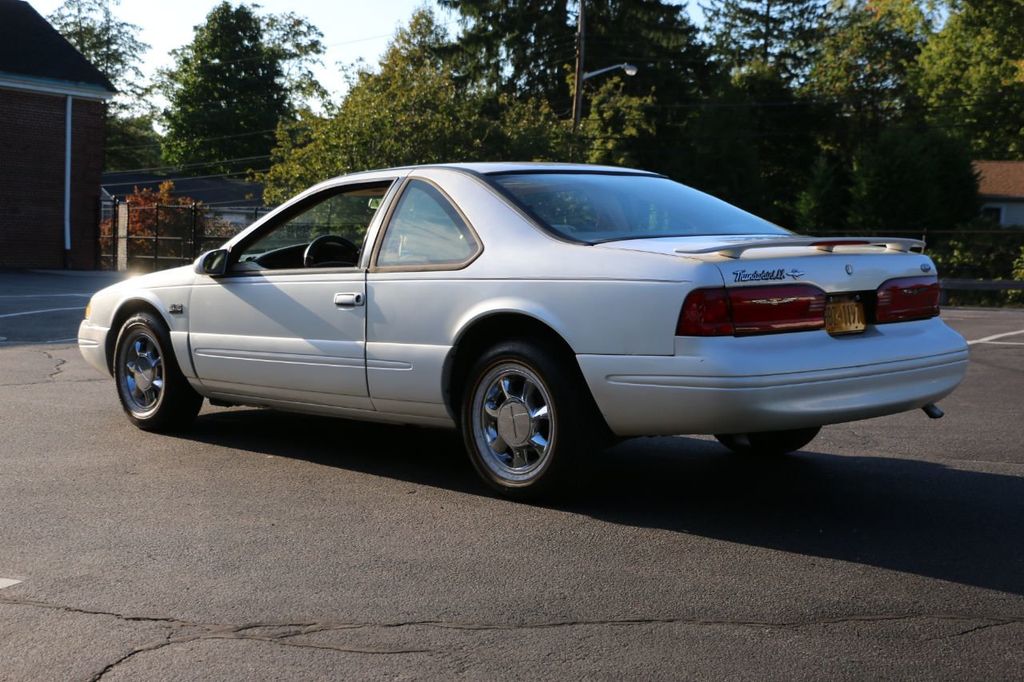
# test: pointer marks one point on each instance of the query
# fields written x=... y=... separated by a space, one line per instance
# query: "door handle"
x=348 y=300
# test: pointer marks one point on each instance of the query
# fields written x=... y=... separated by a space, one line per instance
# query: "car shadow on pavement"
x=900 y=514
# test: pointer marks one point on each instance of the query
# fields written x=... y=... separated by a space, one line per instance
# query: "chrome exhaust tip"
x=933 y=411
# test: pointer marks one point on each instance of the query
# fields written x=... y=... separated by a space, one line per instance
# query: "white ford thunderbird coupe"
x=539 y=309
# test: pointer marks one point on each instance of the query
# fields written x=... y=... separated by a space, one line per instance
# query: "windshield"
x=591 y=207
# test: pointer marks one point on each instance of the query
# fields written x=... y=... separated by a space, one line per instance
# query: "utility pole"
x=577 y=90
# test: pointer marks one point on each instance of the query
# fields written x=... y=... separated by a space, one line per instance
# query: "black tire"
x=572 y=429
x=771 y=443
x=155 y=395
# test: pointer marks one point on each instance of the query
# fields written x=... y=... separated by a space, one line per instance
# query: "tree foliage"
x=972 y=76
x=107 y=42
x=132 y=142
x=867 y=66
x=521 y=49
x=413 y=109
x=111 y=46
x=782 y=34
x=913 y=179
x=242 y=75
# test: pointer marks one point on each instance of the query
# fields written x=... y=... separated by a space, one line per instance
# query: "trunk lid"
x=834 y=264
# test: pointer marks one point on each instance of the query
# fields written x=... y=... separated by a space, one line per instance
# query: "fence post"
x=97 y=261
x=197 y=241
x=156 y=238
x=121 y=237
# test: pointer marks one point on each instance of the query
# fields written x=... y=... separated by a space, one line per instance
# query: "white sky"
x=352 y=29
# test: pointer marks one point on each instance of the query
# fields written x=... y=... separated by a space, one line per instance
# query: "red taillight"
x=752 y=310
x=705 y=313
x=765 y=310
x=907 y=298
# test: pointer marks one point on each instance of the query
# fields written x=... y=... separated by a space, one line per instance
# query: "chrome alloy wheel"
x=141 y=373
x=513 y=422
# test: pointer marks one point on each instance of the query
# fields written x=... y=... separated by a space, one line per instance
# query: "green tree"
x=521 y=49
x=132 y=142
x=866 y=68
x=528 y=49
x=240 y=77
x=912 y=179
x=781 y=128
x=111 y=46
x=674 y=79
x=616 y=124
x=412 y=109
x=824 y=201
x=782 y=34
x=108 y=43
x=972 y=76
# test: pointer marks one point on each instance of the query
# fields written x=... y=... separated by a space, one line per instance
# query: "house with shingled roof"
x=1001 y=191
x=52 y=105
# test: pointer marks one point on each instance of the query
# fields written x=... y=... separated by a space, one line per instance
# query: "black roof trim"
x=575 y=170
x=31 y=47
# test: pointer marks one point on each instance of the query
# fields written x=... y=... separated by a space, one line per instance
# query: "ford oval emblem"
x=849 y=269
x=926 y=267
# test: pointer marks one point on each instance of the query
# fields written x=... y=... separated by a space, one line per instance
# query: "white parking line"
x=989 y=339
x=8 y=582
x=39 y=312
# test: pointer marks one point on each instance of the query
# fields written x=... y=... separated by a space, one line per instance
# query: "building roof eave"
x=11 y=81
x=1003 y=198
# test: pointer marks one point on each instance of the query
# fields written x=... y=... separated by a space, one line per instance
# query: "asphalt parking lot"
x=262 y=545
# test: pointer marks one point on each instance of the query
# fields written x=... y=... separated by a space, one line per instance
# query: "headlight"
x=88 y=309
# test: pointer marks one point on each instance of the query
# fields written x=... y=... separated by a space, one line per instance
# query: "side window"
x=343 y=214
x=426 y=230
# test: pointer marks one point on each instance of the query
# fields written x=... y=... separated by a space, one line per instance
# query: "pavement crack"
x=978 y=628
x=327 y=647
x=58 y=366
x=50 y=381
x=131 y=654
x=179 y=631
x=288 y=630
x=239 y=635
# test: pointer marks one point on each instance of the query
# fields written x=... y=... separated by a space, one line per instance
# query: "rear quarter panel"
x=600 y=301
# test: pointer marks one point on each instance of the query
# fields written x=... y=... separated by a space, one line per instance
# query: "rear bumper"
x=92 y=344
x=754 y=384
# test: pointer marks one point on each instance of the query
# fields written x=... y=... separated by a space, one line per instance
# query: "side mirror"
x=213 y=263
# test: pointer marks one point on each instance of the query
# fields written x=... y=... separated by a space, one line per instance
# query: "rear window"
x=590 y=207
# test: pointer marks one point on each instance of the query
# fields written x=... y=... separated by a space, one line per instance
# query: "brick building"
x=52 y=108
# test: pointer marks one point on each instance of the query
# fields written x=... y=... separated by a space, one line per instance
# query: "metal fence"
x=146 y=238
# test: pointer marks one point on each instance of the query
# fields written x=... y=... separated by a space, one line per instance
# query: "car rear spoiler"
x=828 y=244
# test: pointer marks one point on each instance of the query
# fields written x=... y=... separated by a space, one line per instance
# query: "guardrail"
x=978 y=285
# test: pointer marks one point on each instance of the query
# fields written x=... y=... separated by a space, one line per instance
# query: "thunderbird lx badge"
x=758 y=275
x=765 y=275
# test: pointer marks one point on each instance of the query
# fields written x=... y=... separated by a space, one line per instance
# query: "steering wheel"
x=343 y=253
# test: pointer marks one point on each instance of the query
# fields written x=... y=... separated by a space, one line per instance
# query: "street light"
x=577 y=98
x=628 y=68
x=581 y=76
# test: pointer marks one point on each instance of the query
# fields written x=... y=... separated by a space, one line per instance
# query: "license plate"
x=844 y=317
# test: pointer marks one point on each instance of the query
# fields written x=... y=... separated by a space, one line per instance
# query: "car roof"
x=499 y=167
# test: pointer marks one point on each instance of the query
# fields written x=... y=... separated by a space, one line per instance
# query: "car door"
x=285 y=324
x=411 y=293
